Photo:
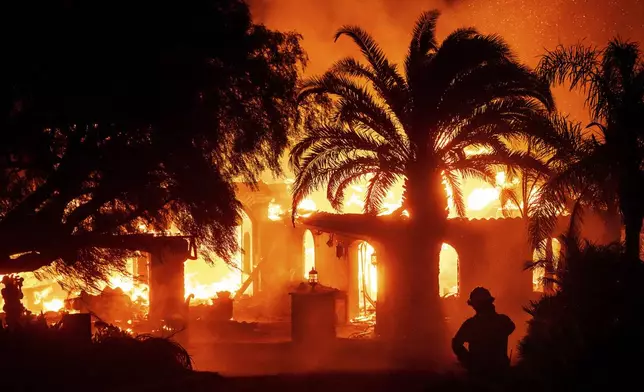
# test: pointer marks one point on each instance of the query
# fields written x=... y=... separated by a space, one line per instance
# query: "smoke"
x=530 y=26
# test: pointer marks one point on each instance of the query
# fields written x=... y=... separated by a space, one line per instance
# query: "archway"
x=367 y=278
x=549 y=254
x=448 y=272
x=205 y=280
x=309 y=253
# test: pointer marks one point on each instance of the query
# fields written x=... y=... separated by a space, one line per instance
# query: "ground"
x=268 y=361
x=336 y=382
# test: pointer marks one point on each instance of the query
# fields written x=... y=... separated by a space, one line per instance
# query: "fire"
x=481 y=198
x=205 y=292
x=137 y=291
x=204 y=281
x=275 y=211
x=54 y=305
x=367 y=277
x=448 y=271
x=309 y=253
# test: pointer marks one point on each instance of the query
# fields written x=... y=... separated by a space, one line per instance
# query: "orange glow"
x=448 y=271
x=309 y=253
x=539 y=272
x=275 y=211
x=204 y=280
x=367 y=278
x=481 y=198
x=201 y=279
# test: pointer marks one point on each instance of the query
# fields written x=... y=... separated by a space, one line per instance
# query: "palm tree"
x=519 y=193
x=385 y=126
x=608 y=167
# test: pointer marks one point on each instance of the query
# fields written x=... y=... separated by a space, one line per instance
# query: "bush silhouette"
x=590 y=332
x=113 y=358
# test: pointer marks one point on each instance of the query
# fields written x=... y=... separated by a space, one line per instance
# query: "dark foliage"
x=589 y=334
x=116 y=114
x=607 y=169
x=112 y=359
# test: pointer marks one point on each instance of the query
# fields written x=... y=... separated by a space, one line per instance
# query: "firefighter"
x=486 y=357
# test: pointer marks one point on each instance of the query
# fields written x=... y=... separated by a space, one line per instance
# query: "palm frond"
x=356 y=103
x=377 y=190
x=456 y=186
x=352 y=172
x=373 y=53
x=576 y=65
x=395 y=96
x=490 y=82
x=509 y=196
x=424 y=34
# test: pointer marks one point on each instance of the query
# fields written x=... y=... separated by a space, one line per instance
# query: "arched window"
x=367 y=277
x=448 y=271
x=309 y=253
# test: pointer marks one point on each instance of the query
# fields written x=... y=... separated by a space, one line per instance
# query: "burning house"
x=171 y=278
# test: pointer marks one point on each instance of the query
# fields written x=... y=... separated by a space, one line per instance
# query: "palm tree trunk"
x=419 y=322
x=613 y=220
x=632 y=209
x=549 y=268
x=633 y=230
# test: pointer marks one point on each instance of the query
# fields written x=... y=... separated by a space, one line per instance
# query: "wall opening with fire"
x=367 y=278
x=448 y=277
x=448 y=271
x=309 y=253
x=545 y=252
x=204 y=281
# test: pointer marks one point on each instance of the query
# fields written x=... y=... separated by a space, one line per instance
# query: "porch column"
x=167 y=280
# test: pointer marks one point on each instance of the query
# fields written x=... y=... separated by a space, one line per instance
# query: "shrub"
x=590 y=332
x=111 y=359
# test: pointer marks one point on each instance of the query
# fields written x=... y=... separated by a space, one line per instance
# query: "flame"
x=54 y=305
x=137 y=291
x=204 y=280
x=307 y=205
x=367 y=277
x=448 y=277
x=309 y=253
x=205 y=292
x=275 y=211
x=481 y=198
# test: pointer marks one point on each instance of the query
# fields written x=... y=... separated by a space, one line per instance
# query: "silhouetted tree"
x=589 y=333
x=468 y=92
x=609 y=166
x=117 y=114
x=519 y=193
